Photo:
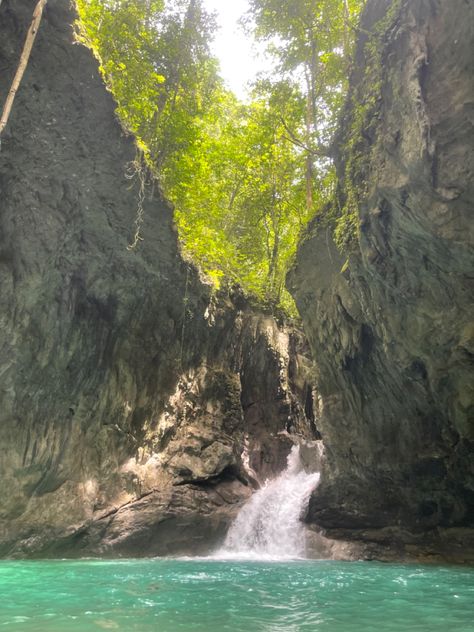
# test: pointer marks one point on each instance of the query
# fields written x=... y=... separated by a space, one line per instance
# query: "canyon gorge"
x=140 y=409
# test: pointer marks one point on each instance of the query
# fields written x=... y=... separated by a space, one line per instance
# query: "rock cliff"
x=136 y=408
x=390 y=320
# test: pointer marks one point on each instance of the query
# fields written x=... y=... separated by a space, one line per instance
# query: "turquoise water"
x=197 y=595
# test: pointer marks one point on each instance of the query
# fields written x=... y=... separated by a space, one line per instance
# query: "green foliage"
x=245 y=179
x=155 y=57
x=313 y=41
x=238 y=217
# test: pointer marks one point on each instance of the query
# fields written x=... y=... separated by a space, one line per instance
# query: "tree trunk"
x=346 y=40
x=309 y=130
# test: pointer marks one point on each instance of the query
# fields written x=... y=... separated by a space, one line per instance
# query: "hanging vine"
x=137 y=170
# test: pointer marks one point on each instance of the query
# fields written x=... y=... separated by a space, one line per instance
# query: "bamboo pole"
x=25 y=56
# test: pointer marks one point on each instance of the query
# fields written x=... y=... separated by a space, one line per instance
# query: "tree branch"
x=322 y=151
x=25 y=56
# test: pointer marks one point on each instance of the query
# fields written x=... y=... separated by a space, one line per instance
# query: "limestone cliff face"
x=128 y=393
x=390 y=321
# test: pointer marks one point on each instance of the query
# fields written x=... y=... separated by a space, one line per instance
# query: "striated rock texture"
x=128 y=393
x=390 y=321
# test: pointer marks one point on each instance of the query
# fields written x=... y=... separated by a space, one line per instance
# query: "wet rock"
x=128 y=389
x=390 y=320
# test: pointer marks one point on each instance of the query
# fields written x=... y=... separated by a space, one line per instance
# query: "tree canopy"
x=245 y=178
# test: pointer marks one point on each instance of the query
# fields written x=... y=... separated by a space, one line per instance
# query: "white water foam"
x=268 y=526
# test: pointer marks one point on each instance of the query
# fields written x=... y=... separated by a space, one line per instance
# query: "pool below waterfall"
x=167 y=595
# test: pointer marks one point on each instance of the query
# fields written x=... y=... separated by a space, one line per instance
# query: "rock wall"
x=390 y=320
x=128 y=392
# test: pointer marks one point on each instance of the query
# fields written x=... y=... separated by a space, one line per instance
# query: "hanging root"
x=137 y=169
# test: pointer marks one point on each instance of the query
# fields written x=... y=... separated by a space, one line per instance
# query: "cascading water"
x=269 y=525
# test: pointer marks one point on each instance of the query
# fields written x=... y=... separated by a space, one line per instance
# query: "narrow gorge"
x=140 y=408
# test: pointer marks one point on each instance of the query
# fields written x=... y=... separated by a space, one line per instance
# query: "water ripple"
x=215 y=596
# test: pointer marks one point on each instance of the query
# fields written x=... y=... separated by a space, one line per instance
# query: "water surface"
x=166 y=595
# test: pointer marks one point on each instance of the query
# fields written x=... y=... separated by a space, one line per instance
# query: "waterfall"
x=269 y=525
